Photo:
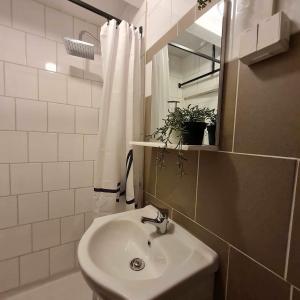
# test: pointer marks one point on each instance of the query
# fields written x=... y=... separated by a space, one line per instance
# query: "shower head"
x=79 y=48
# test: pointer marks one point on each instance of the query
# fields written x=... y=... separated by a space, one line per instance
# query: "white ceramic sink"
x=111 y=242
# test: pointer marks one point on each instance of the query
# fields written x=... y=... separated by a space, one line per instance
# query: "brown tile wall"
x=244 y=201
x=296 y=294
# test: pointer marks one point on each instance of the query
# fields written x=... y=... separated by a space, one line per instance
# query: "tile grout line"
x=39 y=250
x=47 y=119
x=74 y=202
x=56 y=190
x=59 y=132
x=42 y=177
x=288 y=248
x=83 y=139
x=232 y=246
x=236 y=103
x=47 y=162
x=69 y=176
x=49 y=273
x=156 y=173
x=227 y=272
x=9 y=174
x=259 y=155
x=18 y=210
x=39 y=100
x=57 y=146
x=31 y=237
x=45 y=21
x=15 y=106
x=4 y=79
x=48 y=198
x=75 y=123
x=27 y=137
x=26 y=54
x=19 y=267
x=11 y=14
x=39 y=69
x=197 y=179
x=291 y=292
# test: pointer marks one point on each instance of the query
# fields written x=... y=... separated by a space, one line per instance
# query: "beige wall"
x=244 y=200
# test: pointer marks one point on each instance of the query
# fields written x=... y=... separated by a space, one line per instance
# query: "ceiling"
x=136 y=3
x=122 y=9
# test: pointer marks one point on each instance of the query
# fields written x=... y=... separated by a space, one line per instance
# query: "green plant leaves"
x=203 y=3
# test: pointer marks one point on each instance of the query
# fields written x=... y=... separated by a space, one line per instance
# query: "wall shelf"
x=173 y=146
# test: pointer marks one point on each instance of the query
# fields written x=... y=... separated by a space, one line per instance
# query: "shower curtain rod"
x=186 y=49
x=99 y=12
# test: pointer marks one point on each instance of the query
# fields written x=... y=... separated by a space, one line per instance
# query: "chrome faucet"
x=160 y=222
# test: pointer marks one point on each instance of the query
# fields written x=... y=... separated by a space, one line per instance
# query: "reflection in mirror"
x=186 y=83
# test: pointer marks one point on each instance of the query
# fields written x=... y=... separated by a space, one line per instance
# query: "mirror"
x=187 y=79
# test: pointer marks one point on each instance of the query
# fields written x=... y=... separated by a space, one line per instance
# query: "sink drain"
x=137 y=264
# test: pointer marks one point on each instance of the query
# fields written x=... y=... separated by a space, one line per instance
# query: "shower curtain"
x=120 y=119
x=160 y=88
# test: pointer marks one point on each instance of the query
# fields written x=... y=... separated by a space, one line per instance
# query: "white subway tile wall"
x=56 y=176
x=70 y=147
x=1 y=78
x=49 y=110
x=7 y=113
x=9 y=274
x=83 y=200
x=58 y=25
x=15 y=241
x=61 y=203
x=31 y=115
x=96 y=94
x=26 y=178
x=52 y=87
x=28 y=15
x=4 y=180
x=38 y=201
x=12 y=45
x=61 y=118
x=34 y=266
x=81 y=174
x=72 y=228
x=87 y=120
x=21 y=81
x=90 y=147
x=79 y=92
x=5 y=12
x=8 y=211
x=62 y=258
x=40 y=52
x=13 y=146
x=42 y=146
x=46 y=234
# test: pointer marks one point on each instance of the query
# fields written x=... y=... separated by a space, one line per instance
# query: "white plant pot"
x=175 y=137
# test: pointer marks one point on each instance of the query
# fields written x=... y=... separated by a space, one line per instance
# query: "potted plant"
x=211 y=127
x=194 y=124
x=185 y=126
x=188 y=124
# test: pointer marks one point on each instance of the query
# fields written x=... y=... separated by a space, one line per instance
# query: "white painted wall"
x=163 y=14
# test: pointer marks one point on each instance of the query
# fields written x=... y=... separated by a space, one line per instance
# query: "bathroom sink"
x=122 y=258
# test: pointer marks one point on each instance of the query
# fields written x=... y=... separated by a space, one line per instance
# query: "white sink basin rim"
x=112 y=242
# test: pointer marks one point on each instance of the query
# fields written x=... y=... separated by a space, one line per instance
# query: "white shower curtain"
x=160 y=88
x=120 y=117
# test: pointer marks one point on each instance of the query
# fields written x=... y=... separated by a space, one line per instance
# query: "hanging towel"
x=120 y=116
